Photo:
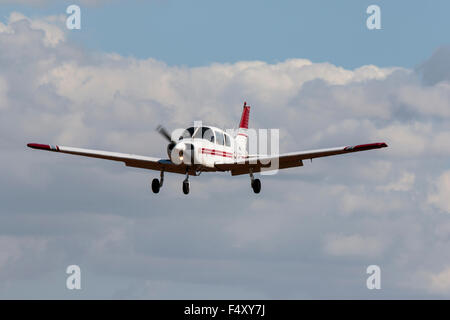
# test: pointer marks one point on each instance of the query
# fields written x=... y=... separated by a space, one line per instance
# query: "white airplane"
x=210 y=149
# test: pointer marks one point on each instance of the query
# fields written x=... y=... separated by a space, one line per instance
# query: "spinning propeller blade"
x=164 y=133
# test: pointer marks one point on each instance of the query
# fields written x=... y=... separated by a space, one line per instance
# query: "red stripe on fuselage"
x=219 y=153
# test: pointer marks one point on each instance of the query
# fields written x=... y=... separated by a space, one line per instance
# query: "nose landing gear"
x=186 y=184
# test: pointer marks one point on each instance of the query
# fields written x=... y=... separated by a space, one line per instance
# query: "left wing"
x=289 y=160
x=130 y=160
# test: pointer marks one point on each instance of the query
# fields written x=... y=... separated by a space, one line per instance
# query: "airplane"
x=210 y=149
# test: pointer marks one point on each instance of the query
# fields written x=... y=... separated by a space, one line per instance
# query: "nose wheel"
x=157 y=184
x=255 y=183
x=185 y=187
x=186 y=184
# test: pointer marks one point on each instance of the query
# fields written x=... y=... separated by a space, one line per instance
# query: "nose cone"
x=183 y=153
x=177 y=154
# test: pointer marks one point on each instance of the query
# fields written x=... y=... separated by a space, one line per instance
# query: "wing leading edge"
x=293 y=159
x=130 y=160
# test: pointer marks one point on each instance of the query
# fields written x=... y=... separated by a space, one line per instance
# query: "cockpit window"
x=188 y=133
x=227 y=140
x=199 y=133
x=219 y=137
x=208 y=134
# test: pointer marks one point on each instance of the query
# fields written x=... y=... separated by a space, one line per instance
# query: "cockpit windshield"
x=198 y=133
x=188 y=133
x=204 y=133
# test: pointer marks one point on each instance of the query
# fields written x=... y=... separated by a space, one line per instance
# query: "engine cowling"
x=170 y=147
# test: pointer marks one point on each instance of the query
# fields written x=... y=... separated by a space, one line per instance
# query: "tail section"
x=244 y=118
x=242 y=133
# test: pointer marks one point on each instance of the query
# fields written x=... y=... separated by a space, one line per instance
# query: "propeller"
x=162 y=131
x=189 y=150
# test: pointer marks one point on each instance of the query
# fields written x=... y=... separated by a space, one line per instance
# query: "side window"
x=227 y=140
x=209 y=135
x=219 y=138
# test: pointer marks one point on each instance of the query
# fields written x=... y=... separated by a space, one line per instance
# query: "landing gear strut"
x=157 y=184
x=255 y=183
x=186 y=184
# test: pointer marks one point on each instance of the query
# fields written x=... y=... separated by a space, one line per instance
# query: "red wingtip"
x=380 y=145
x=368 y=146
x=43 y=146
x=38 y=146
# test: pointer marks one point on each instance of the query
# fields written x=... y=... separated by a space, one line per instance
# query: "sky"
x=311 y=69
x=197 y=33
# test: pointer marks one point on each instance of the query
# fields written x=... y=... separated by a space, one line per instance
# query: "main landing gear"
x=157 y=184
x=255 y=183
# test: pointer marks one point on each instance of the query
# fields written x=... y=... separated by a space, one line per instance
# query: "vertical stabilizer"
x=242 y=133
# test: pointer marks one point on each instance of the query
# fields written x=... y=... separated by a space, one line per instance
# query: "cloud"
x=289 y=241
x=353 y=245
x=15 y=251
x=404 y=183
x=440 y=282
x=50 y=25
x=437 y=68
x=427 y=100
x=3 y=93
x=440 y=197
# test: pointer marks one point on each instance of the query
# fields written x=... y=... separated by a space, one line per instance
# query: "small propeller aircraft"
x=210 y=149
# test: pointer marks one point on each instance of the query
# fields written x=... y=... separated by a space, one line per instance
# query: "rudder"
x=242 y=133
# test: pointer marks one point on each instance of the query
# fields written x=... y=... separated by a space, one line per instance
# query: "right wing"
x=130 y=160
x=289 y=160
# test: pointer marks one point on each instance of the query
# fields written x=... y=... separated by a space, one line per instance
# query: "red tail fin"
x=244 y=118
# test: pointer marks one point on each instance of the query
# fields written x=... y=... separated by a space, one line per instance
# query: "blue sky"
x=197 y=33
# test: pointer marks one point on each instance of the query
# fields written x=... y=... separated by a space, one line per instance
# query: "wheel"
x=256 y=185
x=185 y=187
x=155 y=185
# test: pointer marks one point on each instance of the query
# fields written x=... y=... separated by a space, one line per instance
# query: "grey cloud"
x=437 y=67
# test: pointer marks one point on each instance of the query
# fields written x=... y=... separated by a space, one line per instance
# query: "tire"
x=185 y=187
x=256 y=186
x=155 y=185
